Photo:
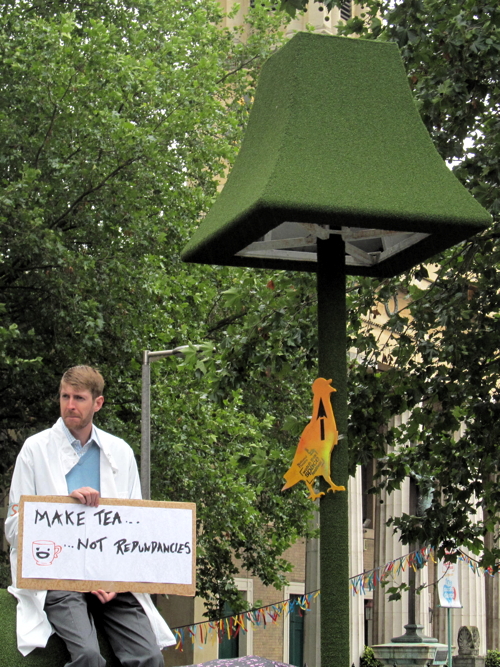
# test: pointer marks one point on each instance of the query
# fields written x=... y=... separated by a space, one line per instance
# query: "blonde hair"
x=84 y=377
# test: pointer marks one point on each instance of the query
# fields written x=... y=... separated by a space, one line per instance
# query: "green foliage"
x=368 y=658
x=443 y=342
x=492 y=658
x=117 y=122
x=231 y=432
x=291 y=7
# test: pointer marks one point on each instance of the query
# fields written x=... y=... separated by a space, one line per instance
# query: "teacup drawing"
x=44 y=551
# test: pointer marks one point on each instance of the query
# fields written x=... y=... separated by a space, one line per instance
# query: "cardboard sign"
x=142 y=546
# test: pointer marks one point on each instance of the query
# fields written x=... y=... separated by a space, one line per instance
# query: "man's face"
x=78 y=407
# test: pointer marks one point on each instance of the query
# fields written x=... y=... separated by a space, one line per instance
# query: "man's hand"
x=87 y=496
x=103 y=596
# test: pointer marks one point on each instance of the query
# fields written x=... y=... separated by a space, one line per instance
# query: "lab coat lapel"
x=108 y=467
x=67 y=456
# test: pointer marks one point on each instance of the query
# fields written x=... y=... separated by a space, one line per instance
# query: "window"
x=293 y=630
x=242 y=644
x=229 y=647
x=296 y=637
x=252 y=4
x=345 y=10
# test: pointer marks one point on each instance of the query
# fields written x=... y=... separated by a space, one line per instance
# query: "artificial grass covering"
x=334 y=138
x=53 y=655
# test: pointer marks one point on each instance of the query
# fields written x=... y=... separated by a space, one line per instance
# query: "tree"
x=234 y=421
x=118 y=121
x=444 y=346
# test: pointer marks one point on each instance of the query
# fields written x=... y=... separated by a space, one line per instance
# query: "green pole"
x=334 y=537
x=450 y=633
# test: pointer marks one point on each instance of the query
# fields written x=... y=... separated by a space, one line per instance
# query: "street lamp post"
x=147 y=358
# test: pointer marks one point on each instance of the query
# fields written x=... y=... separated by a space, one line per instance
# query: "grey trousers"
x=123 y=619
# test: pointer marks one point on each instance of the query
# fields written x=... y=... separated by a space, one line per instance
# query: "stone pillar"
x=312 y=628
x=423 y=600
x=492 y=595
x=473 y=598
x=357 y=603
x=472 y=594
x=389 y=618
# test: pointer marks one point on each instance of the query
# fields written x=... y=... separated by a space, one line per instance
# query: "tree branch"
x=92 y=190
x=238 y=69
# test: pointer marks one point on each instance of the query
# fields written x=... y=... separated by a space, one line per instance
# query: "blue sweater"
x=87 y=471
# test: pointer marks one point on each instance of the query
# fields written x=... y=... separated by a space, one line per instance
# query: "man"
x=75 y=458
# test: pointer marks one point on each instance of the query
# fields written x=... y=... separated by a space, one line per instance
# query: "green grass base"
x=53 y=655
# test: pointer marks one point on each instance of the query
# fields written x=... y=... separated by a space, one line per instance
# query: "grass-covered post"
x=334 y=519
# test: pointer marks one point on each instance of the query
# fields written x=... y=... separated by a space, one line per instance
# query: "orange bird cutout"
x=316 y=443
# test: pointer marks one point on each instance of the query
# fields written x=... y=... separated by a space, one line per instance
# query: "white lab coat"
x=41 y=469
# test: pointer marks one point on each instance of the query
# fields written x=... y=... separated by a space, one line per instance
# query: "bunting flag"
x=367 y=581
x=230 y=626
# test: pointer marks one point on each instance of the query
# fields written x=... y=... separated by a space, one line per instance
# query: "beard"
x=76 y=422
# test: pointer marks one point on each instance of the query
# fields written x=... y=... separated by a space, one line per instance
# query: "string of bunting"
x=230 y=626
x=367 y=581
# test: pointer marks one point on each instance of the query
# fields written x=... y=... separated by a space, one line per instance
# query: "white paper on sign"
x=448 y=584
x=108 y=543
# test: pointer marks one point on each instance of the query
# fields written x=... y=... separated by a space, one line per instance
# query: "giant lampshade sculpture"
x=336 y=175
